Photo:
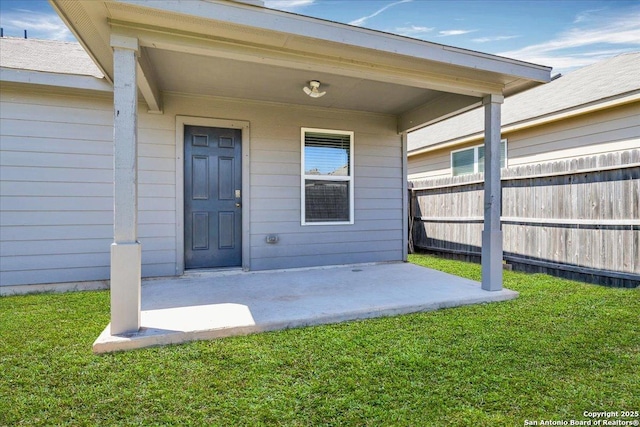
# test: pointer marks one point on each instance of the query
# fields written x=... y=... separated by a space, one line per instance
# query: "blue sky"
x=563 y=34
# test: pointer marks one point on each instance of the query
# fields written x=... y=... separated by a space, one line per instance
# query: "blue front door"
x=212 y=198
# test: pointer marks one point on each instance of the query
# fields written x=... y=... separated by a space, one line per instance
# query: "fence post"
x=492 y=232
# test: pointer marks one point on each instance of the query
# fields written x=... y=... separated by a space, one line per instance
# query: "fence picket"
x=579 y=217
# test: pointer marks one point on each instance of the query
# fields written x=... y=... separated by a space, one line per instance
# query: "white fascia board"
x=308 y=27
x=251 y=2
x=73 y=27
x=532 y=122
x=70 y=81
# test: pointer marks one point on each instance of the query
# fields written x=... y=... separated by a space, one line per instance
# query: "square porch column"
x=492 y=232
x=126 y=253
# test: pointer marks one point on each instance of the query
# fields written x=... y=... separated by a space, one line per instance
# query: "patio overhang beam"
x=208 y=46
x=148 y=83
x=443 y=107
x=146 y=79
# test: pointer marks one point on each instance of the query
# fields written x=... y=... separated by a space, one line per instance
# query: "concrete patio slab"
x=214 y=304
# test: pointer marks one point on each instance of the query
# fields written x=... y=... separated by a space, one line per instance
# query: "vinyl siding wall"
x=376 y=234
x=602 y=132
x=56 y=193
x=56 y=186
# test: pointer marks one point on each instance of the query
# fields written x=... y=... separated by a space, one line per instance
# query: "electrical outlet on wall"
x=272 y=238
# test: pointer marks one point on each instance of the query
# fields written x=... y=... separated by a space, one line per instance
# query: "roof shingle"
x=600 y=81
x=46 y=56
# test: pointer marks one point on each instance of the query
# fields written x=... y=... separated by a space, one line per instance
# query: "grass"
x=560 y=349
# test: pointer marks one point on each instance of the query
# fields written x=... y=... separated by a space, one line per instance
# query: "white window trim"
x=349 y=178
x=476 y=158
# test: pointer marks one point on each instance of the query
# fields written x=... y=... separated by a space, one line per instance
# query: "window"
x=471 y=160
x=327 y=177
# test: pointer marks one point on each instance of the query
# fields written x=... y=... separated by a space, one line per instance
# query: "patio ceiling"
x=185 y=73
x=228 y=49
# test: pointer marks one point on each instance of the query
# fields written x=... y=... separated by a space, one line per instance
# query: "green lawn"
x=560 y=349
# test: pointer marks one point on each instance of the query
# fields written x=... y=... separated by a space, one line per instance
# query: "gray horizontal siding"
x=602 y=132
x=53 y=174
x=616 y=129
x=68 y=131
x=56 y=183
x=58 y=275
x=330 y=259
x=73 y=246
x=376 y=234
x=286 y=249
x=79 y=203
x=45 y=218
x=430 y=165
x=63 y=232
x=54 y=145
x=56 y=189
x=260 y=229
x=55 y=160
x=333 y=238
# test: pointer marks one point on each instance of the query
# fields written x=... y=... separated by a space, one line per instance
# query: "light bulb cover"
x=313 y=91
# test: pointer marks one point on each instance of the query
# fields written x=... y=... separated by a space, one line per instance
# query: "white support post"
x=126 y=250
x=492 y=232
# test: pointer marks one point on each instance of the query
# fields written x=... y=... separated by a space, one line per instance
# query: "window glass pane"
x=462 y=162
x=326 y=201
x=326 y=154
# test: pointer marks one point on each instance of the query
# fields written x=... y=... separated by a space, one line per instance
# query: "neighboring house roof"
x=614 y=78
x=46 y=56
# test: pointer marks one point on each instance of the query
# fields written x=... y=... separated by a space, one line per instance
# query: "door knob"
x=238 y=205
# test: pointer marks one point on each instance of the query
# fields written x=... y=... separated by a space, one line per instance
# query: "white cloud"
x=587 y=15
x=446 y=33
x=39 y=25
x=412 y=31
x=578 y=47
x=360 y=21
x=493 y=39
x=287 y=4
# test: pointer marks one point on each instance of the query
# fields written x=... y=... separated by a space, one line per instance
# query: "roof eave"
x=76 y=33
x=330 y=31
x=592 y=107
x=293 y=25
x=43 y=78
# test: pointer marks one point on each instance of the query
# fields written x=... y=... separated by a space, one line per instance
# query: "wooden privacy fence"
x=578 y=218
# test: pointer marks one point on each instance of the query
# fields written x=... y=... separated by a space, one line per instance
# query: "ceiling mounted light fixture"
x=313 y=90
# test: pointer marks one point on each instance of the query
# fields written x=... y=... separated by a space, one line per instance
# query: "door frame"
x=243 y=125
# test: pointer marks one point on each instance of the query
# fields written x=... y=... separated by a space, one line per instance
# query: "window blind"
x=327 y=154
